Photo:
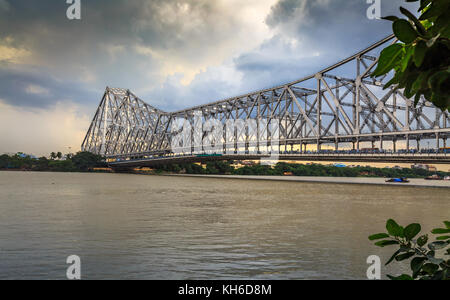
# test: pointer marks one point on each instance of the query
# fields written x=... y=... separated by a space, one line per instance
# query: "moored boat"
x=398 y=180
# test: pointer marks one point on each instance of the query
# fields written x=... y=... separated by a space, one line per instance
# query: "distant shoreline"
x=415 y=182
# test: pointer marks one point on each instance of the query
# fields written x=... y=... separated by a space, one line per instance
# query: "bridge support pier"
x=407 y=142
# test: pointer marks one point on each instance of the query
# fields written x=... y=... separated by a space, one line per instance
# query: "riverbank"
x=332 y=180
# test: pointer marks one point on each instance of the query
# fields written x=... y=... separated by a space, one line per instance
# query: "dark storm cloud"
x=34 y=88
x=339 y=25
x=308 y=35
x=104 y=41
x=154 y=22
x=191 y=27
x=324 y=32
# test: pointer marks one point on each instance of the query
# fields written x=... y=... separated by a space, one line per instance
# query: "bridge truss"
x=339 y=107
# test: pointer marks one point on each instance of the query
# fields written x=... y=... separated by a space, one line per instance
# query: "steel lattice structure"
x=340 y=105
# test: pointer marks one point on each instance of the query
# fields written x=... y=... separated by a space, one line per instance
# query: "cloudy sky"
x=171 y=53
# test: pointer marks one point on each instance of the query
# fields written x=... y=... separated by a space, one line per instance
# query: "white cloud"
x=34 y=89
x=207 y=37
x=11 y=54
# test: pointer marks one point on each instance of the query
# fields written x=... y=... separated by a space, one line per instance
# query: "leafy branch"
x=424 y=264
x=421 y=60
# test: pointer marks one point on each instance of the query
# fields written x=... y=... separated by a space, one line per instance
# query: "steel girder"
x=340 y=104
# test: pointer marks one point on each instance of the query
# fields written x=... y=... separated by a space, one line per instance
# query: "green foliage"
x=224 y=167
x=80 y=162
x=61 y=166
x=217 y=167
x=421 y=61
x=425 y=265
x=84 y=161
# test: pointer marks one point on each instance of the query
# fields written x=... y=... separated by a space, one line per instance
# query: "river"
x=126 y=226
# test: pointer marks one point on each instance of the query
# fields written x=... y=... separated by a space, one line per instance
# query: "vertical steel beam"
x=319 y=111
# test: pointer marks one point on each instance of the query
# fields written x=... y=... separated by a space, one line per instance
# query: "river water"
x=126 y=226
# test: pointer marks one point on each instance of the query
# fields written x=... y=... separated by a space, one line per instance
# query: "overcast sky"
x=171 y=53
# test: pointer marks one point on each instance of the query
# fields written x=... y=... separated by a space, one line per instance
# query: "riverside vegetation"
x=282 y=168
x=86 y=161
x=80 y=162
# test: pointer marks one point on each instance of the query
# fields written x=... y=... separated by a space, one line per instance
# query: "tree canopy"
x=421 y=58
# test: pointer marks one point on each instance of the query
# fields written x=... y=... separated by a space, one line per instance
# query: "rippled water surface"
x=150 y=227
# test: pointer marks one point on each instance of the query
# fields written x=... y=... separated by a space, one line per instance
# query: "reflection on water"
x=149 y=227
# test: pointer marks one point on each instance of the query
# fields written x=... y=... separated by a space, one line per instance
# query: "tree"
x=41 y=164
x=53 y=155
x=59 y=155
x=84 y=161
x=425 y=265
x=4 y=161
x=421 y=60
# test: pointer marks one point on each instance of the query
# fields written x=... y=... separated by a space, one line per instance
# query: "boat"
x=398 y=180
x=434 y=177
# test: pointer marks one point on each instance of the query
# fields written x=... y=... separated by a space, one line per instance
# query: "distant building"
x=424 y=167
x=24 y=155
x=419 y=166
x=240 y=164
x=432 y=169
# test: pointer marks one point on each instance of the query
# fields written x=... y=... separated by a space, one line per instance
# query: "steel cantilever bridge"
x=338 y=114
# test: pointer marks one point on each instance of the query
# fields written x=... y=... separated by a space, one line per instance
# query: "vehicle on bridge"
x=445 y=150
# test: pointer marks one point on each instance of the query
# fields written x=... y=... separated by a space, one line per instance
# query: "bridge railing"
x=294 y=156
